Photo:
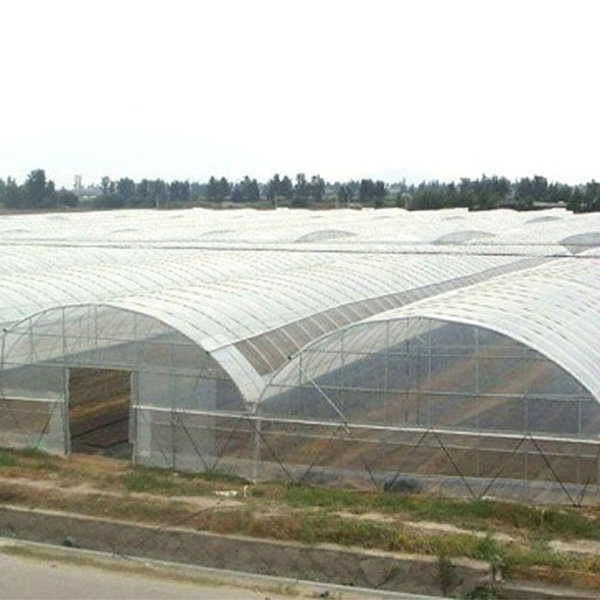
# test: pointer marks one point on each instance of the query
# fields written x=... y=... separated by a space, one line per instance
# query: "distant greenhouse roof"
x=337 y=228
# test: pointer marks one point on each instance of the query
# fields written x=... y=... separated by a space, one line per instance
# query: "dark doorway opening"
x=99 y=408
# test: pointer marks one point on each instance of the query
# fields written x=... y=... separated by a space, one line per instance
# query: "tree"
x=558 y=193
x=179 y=192
x=344 y=195
x=273 y=190
x=246 y=191
x=379 y=194
x=107 y=186
x=159 y=193
x=66 y=199
x=301 y=192
x=12 y=194
x=126 y=189
x=286 y=188
x=223 y=189
x=317 y=188
x=366 y=191
x=252 y=191
x=143 y=193
x=591 y=196
x=212 y=190
x=108 y=202
x=528 y=191
x=38 y=192
x=218 y=190
x=576 y=201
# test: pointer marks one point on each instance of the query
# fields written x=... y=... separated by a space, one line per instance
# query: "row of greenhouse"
x=369 y=348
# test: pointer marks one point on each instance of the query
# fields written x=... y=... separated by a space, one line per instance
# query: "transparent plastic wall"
x=387 y=401
x=399 y=404
x=170 y=375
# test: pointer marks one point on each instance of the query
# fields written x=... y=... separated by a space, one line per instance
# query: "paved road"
x=30 y=571
x=31 y=579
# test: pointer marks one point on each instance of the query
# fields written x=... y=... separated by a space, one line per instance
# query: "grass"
x=152 y=480
x=536 y=520
x=7 y=460
x=309 y=514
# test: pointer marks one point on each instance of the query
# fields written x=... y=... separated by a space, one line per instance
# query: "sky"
x=387 y=89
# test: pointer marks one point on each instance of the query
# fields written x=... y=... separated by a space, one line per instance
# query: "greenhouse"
x=378 y=349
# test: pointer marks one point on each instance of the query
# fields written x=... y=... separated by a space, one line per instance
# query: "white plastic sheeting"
x=318 y=295
x=553 y=308
x=336 y=229
x=269 y=283
x=272 y=315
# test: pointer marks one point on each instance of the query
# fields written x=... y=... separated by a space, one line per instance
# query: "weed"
x=46 y=463
x=152 y=480
x=147 y=481
x=32 y=452
x=488 y=549
x=303 y=495
x=221 y=478
x=7 y=460
x=446 y=574
x=480 y=593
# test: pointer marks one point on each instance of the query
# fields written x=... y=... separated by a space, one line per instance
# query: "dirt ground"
x=109 y=488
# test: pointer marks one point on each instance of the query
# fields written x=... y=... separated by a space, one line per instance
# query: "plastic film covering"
x=252 y=326
x=379 y=348
x=489 y=387
x=333 y=229
x=168 y=370
x=103 y=274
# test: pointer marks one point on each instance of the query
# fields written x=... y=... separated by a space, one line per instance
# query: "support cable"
x=416 y=447
x=314 y=461
x=192 y=441
x=46 y=425
x=229 y=438
x=589 y=478
x=497 y=475
x=273 y=453
x=456 y=468
x=549 y=465
x=344 y=422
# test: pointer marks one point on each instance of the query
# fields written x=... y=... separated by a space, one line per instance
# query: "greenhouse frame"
x=379 y=349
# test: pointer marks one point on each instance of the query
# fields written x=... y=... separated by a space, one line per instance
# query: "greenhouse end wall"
x=419 y=398
x=114 y=353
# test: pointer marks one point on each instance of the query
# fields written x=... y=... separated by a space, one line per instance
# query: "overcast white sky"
x=392 y=89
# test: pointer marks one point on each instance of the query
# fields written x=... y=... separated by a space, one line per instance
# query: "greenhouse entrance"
x=99 y=409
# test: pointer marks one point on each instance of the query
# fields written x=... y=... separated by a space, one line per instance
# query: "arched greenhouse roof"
x=251 y=323
x=130 y=228
x=553 y=308
x=255 y=287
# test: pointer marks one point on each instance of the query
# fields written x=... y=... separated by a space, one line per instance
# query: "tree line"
x=39 y=193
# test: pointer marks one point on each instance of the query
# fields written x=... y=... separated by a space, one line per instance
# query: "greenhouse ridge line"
x=280 y=249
